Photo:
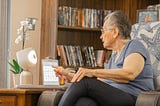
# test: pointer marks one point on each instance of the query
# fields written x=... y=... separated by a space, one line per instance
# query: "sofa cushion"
x=50 y=98
x=148 y=99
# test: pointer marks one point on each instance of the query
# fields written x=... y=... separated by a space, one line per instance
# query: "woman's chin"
x=106 y=47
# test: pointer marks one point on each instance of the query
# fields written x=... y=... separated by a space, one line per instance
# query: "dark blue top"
x=144 y=81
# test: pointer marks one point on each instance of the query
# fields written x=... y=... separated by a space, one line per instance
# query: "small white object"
x=26 y=78
x=16 y=80
x=26 y=58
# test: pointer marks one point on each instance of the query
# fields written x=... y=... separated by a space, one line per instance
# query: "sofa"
x=149 y=34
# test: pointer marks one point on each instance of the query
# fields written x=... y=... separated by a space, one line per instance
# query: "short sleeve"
x=136 y=46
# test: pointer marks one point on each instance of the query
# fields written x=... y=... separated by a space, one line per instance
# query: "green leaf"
x=13 y=72
x=12 y=67
x=16 y=69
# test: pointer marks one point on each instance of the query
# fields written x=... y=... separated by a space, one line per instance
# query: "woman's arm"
x=133 y=65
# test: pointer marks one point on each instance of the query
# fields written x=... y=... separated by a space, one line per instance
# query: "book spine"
x=70 y=16
x=93 y=56
x=83 y=20
x=67 y=55
x=65 y=15
x=79 y=17
x=60 y=16
x=74 y=17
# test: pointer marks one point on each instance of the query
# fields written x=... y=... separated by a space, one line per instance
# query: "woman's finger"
x=80 y=77
x=76 y=76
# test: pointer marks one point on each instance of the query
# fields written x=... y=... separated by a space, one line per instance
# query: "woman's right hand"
x=59 y=71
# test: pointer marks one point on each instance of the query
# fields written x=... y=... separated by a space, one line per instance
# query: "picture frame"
x=147 y=15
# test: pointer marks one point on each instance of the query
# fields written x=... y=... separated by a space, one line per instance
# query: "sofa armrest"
x=148 y=99
x=50 y=98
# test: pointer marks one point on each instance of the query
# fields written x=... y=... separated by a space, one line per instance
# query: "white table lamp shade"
x=26 y=58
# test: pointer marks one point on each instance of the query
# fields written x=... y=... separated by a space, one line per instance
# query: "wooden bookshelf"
x=53 y=34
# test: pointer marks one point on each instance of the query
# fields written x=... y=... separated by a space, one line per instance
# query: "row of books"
x=85 y=17
x=76 y=56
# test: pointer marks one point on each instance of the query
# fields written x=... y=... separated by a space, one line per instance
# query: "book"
x=66 y=15
x=100 y=56
x=60 y=49
x=79 y=17
x=74 y=17
x=60 y=16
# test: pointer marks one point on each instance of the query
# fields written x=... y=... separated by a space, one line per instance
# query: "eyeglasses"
x=103 y=30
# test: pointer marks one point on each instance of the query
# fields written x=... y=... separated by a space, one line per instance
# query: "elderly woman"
x=127 y=74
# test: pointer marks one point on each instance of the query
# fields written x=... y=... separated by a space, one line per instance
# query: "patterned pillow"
x=149 y=35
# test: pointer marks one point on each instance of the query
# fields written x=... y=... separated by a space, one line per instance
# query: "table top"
x=19 y=91
x=43 y=87
x=30 y=89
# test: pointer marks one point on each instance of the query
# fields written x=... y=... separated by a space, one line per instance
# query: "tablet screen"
x=49 y=77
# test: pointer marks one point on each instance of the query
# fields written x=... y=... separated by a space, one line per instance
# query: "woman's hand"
x=82 y=72
x=61 y=72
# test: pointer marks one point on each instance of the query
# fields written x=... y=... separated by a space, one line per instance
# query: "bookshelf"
x=53 y=34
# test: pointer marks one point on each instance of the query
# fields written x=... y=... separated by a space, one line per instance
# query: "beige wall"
x=20 y=9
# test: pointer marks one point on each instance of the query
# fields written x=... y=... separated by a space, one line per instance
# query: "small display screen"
x=49 y=77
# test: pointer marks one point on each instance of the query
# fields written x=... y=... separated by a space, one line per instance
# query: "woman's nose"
x=101 y=36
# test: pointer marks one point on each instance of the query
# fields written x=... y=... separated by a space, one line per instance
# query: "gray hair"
x=120 y=20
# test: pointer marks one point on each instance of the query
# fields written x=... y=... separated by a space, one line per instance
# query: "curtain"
x=4 y=41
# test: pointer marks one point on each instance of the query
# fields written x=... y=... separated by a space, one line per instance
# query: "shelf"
x=76 y=68
x=78 y=28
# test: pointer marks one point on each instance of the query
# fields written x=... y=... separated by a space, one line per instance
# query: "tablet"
x=48 y=74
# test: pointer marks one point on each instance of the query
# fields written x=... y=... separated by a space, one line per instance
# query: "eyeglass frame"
x=110 y=28
x=103 y=30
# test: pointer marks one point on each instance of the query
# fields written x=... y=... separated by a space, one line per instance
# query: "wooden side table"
x=19 y=97
x=24 y=95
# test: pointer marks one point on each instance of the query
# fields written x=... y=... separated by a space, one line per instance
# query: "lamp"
x=27 y=59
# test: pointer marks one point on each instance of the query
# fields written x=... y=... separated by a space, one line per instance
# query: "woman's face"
x=107 y=37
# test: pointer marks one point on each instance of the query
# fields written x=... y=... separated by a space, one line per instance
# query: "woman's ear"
x=116 y=32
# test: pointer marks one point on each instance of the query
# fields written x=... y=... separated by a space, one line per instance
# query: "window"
x=4 y=41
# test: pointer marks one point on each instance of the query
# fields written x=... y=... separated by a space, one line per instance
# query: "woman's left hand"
x=82 y=72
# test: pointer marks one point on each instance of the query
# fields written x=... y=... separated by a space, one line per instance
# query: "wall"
x=20 y=9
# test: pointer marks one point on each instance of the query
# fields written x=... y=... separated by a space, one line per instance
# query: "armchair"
x=149 y=35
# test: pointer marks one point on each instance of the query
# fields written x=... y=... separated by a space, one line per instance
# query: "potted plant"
x=16 y=70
